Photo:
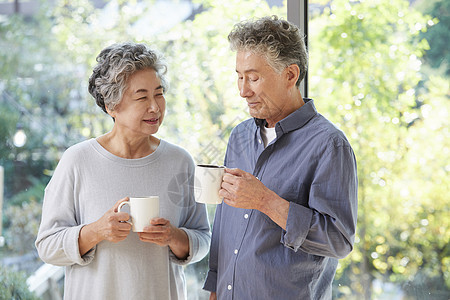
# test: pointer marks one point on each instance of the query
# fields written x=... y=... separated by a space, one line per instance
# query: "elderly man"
x=290 y=187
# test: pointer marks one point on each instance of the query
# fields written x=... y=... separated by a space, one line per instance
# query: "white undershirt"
x=268 y=135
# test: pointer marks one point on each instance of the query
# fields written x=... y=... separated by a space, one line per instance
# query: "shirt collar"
x=295 y=120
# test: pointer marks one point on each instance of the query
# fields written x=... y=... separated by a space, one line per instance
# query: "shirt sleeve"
x=327 y=227
x=57 y=239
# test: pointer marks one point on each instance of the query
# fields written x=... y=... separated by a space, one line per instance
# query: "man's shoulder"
x=246 y=125
x=241 y=136
x=323 y=128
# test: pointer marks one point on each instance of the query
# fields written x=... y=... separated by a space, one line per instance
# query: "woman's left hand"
x=163 y=233
x=160 y=232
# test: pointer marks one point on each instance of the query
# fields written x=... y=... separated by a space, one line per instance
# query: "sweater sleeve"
x=195 y=224
x=199 y=236
x=57 y=239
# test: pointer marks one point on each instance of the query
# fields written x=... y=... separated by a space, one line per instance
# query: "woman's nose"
x=153 y=106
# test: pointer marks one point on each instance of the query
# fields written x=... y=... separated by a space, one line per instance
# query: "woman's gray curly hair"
x=281 y=42
x=114 y=66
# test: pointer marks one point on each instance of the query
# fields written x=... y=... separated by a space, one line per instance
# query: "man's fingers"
x=229 y=202
x=233 y=175
x=226 y=191
x=234 y=171
x=226 y=186
x=229 y=178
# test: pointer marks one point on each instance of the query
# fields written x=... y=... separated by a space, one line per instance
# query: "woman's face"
x=141 y=111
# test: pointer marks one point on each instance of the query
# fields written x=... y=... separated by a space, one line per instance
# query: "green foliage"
x=22 y=216
x=203 y=101
x=13 y=286
x=366 y=76
x=438 y=54
x=23 y=223
x=34 y=93
x=8 y=122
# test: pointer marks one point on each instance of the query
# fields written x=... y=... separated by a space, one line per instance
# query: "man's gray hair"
x=279 y=41
x=114 y=66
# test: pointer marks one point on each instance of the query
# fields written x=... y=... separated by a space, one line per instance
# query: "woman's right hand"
x=213 y=296
x=110 y=227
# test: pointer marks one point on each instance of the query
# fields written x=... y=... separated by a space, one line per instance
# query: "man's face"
x=264 y=88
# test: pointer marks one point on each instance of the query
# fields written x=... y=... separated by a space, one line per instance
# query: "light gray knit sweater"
x=87 y=182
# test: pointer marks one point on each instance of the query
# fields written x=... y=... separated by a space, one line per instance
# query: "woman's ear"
x=292 y=73
x=110 y=112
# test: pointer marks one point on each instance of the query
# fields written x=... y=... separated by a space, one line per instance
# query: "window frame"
x=297 y=13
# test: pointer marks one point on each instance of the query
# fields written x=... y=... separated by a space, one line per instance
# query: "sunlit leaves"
x=366 y=77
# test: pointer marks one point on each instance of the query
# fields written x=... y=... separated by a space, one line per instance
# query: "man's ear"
x=292 y=74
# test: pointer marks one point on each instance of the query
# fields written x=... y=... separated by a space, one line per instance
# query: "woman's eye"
x=253 y=79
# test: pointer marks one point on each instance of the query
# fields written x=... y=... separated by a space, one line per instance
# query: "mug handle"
x=118 y=210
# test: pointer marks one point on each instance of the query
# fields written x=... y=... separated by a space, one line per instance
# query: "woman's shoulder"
x=173 y=150
x=78 y=150
x=73 y=157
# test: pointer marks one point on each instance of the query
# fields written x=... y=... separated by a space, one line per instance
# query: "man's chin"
x=255 y=113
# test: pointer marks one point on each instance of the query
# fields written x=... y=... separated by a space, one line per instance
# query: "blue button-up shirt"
x=310 y=164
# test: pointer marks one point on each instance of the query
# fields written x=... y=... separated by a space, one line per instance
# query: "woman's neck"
x=128 y=147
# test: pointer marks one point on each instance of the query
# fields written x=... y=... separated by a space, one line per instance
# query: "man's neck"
x=294 y=102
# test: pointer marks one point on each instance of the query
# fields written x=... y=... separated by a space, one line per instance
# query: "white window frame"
x=297 y=13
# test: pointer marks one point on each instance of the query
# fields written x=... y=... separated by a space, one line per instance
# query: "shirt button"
x=229 y=287
x=235 y=251
x=260 y=141
x=246 y=216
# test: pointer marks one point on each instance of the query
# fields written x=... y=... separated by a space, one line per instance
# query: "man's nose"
x=244 y=90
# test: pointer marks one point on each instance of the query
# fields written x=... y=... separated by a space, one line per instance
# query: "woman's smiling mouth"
x=152 y=121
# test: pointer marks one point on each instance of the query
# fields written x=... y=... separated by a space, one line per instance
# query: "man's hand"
x=243 y=190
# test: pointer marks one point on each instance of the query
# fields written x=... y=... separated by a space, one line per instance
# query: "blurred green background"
x=379 y=69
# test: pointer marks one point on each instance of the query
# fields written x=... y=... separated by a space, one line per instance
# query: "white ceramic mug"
x=142 y=210
x=207 y=182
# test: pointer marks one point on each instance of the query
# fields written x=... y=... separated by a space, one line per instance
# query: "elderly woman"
x=81 y=227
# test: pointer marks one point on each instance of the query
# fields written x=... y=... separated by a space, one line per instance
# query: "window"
x=378 y=70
